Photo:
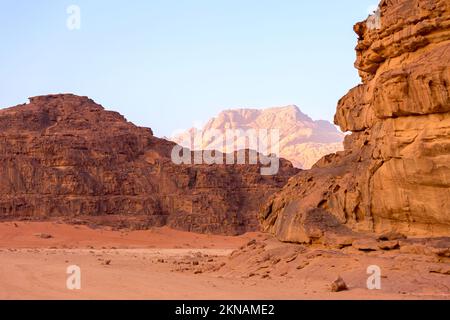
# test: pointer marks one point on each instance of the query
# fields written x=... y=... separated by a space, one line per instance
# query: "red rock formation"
x=395 y=171
x=65 y=156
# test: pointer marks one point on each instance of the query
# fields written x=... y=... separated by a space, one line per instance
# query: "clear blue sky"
x=166 y=64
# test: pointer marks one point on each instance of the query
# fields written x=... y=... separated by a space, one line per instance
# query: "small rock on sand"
x=302 y=265
x=338 y=285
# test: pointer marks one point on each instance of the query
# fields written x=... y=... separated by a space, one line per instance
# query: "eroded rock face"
x=65 y=156
x=394 y=174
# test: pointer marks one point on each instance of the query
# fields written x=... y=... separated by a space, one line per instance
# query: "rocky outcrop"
x=394 y=174
x=302 y=140
x=65 y=156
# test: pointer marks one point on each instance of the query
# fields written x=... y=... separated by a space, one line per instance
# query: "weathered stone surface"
x=394 y=174
x=439 y=247
x=391 y=236
x=389 y=245
x=441 y=269
x=366 y=245
x=65 y=156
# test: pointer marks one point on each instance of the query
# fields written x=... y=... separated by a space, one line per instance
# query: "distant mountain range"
x=303 y=141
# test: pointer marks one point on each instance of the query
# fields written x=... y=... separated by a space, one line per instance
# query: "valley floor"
x=167 y=264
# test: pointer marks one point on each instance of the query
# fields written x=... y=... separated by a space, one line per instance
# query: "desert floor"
x=167 y=264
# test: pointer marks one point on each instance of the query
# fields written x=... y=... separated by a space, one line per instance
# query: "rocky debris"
x=441 y=247
x=389 y=245
x=251 y=243
x=394 y=172
x=339 y=241
x=303 y=141
x=338 y=285
x=391 y=236
x=43 y=235
x=292 y=258
x=442 y=252
x=65 y=156
x=441 y=269
x=280 y=260
x=437 y=247
x=414 y=273
x=415 y=248
x=366 y=245
x=303 y=265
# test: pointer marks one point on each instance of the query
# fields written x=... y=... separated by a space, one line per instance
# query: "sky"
x=173 y=64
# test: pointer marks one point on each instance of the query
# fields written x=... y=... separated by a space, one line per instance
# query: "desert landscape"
x=171 y=265
x=83 y=187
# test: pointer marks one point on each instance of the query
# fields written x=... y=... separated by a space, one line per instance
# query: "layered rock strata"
x=65 y=156
x=394 y=174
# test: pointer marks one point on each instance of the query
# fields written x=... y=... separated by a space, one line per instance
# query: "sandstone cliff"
x=65 y=156
x=302 y=140
x=395 y=171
